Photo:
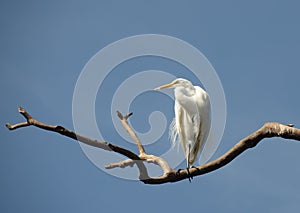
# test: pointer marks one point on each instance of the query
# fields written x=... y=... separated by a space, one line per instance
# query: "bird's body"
x=192 y=117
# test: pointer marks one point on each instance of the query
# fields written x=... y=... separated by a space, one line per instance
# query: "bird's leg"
x=188 y=165
x=189 y=175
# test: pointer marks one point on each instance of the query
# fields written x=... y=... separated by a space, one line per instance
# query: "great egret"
x=192 y=117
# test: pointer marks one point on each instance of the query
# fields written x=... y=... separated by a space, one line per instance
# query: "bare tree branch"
x=268 y=130
x=99 y=144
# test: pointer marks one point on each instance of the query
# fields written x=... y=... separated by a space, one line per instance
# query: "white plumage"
x=192 y=117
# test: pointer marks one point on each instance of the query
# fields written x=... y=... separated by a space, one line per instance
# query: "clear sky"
x=254 y=47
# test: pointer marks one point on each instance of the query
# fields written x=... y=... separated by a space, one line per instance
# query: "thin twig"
x=130 y=131
x=121 y=164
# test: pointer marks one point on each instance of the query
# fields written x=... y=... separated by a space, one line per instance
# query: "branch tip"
x=128 y=115
x=125 y=117
x=21 y=109
x=8 y=125
x=119 y=114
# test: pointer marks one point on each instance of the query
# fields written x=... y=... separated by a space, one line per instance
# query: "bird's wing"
x=195 y=133
x=203 y=104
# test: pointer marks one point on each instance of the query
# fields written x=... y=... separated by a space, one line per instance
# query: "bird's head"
x=179 y=82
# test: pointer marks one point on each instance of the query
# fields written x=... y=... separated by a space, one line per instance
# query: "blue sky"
x=254 y=47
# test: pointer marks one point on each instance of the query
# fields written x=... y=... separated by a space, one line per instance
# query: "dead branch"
x=268 y=130
x=30 y=121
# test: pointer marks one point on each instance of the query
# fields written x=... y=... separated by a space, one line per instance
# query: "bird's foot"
x=178 y=172
x=190 y=177
x=195 y=168
x=189 y=174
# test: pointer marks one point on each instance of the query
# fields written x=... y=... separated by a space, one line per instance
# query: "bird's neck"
x=187 y=91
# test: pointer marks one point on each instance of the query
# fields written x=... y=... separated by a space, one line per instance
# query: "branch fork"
x=268 y=130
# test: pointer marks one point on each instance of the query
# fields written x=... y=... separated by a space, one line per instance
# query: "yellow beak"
x=165 y=86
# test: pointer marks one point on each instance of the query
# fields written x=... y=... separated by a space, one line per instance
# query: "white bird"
x=192 y=118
